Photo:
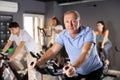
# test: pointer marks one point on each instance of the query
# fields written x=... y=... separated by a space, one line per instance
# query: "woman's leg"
x=106 y=48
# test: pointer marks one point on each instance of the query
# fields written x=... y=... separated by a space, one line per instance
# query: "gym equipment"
x=8 y=69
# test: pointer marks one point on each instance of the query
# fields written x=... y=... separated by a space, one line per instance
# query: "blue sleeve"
x=59 y=39
x=90 y=36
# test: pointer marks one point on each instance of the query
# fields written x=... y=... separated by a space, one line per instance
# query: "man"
x=80 y=44
x=25 y=44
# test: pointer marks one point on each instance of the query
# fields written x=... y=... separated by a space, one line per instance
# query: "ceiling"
x=59 y=1
x=69 y=2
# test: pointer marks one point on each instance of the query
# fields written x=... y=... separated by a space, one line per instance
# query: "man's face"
x=14 y=31
x=72 y=23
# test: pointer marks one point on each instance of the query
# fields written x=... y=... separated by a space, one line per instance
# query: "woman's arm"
x=106 y=33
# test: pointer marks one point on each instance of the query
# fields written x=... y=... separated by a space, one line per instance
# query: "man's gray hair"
x=76 y=13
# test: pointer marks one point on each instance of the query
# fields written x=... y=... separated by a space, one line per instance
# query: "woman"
x=103 y=42
x=56 y=28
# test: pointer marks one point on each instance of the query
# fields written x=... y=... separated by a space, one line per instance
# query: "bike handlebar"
x=4 y=56
x=51 y=67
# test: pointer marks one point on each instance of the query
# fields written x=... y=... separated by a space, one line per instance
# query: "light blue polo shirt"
x=74 y=48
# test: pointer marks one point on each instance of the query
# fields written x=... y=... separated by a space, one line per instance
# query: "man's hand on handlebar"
x=34 y=65
x=69 y=70
x=1 y=53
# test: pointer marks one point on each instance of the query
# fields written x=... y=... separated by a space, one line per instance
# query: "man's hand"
x=41 y=66
x=70 y=71
x=11 y=59
x=32 y=65
x=2 y=53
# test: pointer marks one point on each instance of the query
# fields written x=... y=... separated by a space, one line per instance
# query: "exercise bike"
x=54 y=66
x=42 y=36
x=106 y=71
x=8 y=71
x=51 y=67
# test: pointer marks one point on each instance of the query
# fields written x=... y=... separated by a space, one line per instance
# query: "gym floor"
x=111 y=78
x=48 y=77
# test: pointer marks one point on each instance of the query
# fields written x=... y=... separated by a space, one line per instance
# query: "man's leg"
x=21 y=55
x=95 y=75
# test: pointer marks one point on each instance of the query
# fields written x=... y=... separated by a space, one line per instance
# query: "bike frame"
x=9 y=67
x=110 y=73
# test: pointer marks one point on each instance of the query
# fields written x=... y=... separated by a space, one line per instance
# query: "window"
x=31 y=24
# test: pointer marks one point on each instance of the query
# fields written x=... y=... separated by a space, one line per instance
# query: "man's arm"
x=17 y=50
x=50 y=53
x=84 y=54
x=8 y=44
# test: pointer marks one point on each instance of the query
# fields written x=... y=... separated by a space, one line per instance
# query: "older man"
x=80 y=44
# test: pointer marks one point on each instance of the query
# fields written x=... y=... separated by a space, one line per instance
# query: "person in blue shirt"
x=80 y=44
